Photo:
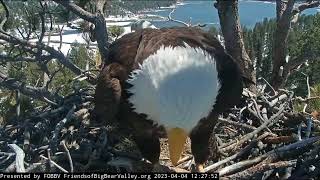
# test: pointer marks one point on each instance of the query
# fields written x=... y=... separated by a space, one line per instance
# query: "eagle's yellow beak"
x=176 y=139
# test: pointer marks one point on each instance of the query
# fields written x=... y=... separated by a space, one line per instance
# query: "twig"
x=55 y=164
x=239 y=125
x=276 y=100
x=271 y=121
x=19 y=158
x=274 y=91
x=9 y=155
x=11 y=168
x=69 y=156
x=59 y=126
x=49 y=164
x=264 y=114
x=257 y=110
x=278 y=140
x=184 y=159
x=34 y=92
x=308 y=89
x=237 y=155
x=35 y=167
x=297 y=10
x=174 y=20
x=235 y=167
x=300 y=99
x=251 y=172
x=272 y=155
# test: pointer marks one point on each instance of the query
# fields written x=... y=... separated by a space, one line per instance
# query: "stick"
x=59 y=126
x=274 y=118
x=235 y=167
x=262 y=167
x=274 y=91
x=187 y=158
x=9 y=155
x=19 y=158
x=240 y=125
x=278 y=140
x=237 y=155
x=272 y=155
x=69 y=156
x=54 y=163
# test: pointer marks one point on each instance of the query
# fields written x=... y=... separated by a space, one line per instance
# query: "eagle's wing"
x=109 y=88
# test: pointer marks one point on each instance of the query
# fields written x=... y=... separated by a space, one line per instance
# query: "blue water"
x=204 y=12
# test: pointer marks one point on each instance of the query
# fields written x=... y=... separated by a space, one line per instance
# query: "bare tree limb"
x=77 y=10
x=297 y=10
x=98 y=20
x=54 y=53
x=34 y=92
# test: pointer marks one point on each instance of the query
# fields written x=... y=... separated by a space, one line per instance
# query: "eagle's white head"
x=175 y=87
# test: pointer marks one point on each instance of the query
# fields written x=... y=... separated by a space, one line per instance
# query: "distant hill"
x=123 y=7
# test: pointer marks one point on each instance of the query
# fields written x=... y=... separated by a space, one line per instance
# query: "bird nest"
x=261 y=138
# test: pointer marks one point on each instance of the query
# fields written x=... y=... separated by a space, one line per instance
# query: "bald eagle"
x=178 y=78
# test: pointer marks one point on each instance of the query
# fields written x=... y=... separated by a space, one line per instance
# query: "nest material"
x=261 y=138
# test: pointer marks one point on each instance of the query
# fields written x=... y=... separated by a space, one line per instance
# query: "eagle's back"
x=133 y=49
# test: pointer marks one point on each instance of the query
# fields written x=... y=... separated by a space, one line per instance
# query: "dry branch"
x=54 y=53
x=59 y=126
x=98 y=20
x=261 y=168
x=54 y=163
x=34 y=92
x=69 y=156
x=304 y=6
x=19 y=158
x=247 y=137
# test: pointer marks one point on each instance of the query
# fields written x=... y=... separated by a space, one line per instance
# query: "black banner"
x=101 y=176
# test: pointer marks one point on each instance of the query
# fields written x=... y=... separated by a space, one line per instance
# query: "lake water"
x=204 y=12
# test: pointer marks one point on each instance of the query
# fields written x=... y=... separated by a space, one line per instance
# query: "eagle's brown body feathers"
x=111 y=98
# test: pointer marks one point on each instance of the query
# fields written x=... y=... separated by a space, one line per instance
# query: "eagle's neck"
x=175 y=86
